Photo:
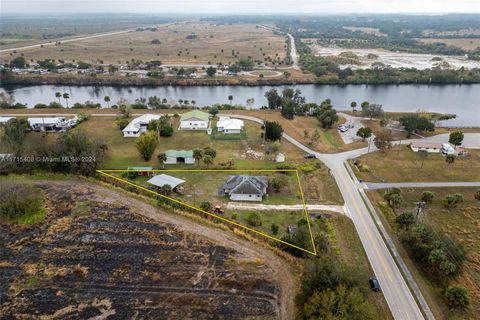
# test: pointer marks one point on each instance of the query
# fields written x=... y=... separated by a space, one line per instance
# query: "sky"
x=241 y=6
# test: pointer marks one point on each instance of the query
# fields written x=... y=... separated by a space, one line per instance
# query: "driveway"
x=353 y=123
x=284 y=207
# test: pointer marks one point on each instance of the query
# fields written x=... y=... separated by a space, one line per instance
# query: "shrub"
x=18 y=200
x=452 y=200
x=254 y=220
x=457 y=297
x=406 y=219
x=477 y=195
x=206 y=206
x=427 y=196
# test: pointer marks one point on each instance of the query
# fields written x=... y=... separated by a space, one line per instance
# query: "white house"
x=46 y=123
x=139 y=125
x=245 y=188
x=228 y=125
x=194 y=120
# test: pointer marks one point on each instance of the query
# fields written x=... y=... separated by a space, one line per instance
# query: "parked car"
x=309 y=156
x=374 y=284
x=342 y=128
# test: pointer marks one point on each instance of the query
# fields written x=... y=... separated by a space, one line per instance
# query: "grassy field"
x=181 y=43
x=403 y=165
x=464 y=43
x=461 y=222
x=329 y=142
x=249 y=153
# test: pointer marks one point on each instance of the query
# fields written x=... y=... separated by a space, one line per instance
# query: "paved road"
x=373 y=186
x=397 y=294
x=470 y=140
x=66 y=40
x=293 y=53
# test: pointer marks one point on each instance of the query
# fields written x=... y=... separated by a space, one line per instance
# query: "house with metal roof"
x=179 y=156
x=229 y=125
x=245 y=188
x=194 y=120
x=164 y=179
x=139 y=125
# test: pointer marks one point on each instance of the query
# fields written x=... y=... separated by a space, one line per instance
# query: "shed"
x=280 y=157
x=142 y=171
x=179 y=156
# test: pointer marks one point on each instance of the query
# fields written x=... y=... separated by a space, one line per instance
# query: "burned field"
x=97 y=256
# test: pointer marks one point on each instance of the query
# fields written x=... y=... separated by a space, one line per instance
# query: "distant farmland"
x=178 y=43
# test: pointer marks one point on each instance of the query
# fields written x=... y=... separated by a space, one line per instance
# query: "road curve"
x=397 y=294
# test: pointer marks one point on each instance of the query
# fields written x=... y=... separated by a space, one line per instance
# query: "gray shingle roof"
x=243 y=184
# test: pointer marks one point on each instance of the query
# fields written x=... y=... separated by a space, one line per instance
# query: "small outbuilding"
x=164 y=179
x=142 y=171
x=179 y=156
x=194 y=120
x=280 y=157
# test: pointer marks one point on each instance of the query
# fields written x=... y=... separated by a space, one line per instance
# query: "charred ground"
x=96 y=255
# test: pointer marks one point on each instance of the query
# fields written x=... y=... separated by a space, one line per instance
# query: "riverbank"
x=462 y=100
x=294 y=78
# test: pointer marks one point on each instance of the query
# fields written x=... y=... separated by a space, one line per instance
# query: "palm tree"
x=66 y=96
x=353 y=105
x=162 y=157
x=193 y=102
x=164 y=100
x=58 y=95
x=230 y=98
x=197 y=155
x=107 y=100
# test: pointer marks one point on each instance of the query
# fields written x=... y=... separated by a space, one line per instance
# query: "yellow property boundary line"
x=314 y=252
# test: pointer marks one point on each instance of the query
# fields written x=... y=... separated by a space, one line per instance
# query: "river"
x=463 y=100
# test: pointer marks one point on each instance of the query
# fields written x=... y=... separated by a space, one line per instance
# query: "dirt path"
x=263 y=207
x=286 y=276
